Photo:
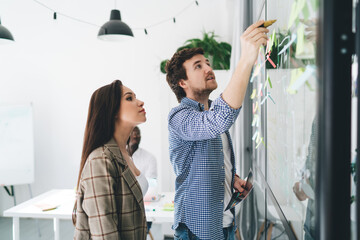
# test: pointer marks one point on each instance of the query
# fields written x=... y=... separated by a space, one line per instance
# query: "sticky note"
x=271 y=62
x=309 y=86
x=258 y=139
x=293 y=38
x=261 y=141
x=296 y=8
x=263 y=101
x=257 y=70
x=271 y=98
x=293 y=15
x=254 y=120
x=268 y=80
x=255 y=107
x=300 y=39
x=302 y=77
x=260 y=92
x=285 y=38
x=271 y=41
x=305 y=12
x=255 y=135
x=253 y=94
x=295 y=74
x=314 y=4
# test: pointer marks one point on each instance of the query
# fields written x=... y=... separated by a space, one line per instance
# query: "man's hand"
x=251 y=40
x=239 y=184
x=299 y=193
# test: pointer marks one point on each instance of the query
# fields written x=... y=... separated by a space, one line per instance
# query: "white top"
x=145 y=162
x=143 y=182
x=228 y=216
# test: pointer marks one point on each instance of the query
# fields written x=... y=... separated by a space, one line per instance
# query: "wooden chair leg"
x=269 y=231
x=151 y=236
x=260 y=230
x=237 y=234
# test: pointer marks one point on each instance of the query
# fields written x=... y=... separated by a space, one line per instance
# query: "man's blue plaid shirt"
x=196 y=155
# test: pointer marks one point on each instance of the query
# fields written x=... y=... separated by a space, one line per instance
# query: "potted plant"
x=218 y=53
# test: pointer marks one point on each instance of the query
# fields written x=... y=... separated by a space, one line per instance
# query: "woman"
x=109 y=202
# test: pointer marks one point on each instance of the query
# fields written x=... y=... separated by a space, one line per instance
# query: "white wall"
x=57 y=64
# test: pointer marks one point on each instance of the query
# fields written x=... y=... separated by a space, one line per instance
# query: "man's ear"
x=183 y=83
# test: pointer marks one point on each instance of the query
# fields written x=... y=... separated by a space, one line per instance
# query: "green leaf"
x=219 y=52
x=162 y=65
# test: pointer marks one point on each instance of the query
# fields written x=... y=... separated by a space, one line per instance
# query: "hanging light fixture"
x=5 y=35
x=115 y=29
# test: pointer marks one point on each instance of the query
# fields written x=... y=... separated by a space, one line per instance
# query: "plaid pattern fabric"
x=109 y=199
x=196 y=155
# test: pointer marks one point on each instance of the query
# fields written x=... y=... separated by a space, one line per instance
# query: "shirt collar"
x=112 y=149
x=194 y=104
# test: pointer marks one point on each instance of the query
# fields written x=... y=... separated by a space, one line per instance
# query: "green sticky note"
x=296 y=9
x=299 y=6
x=300 y=39
x=268 y=79
x=272 y=39
x=314 y=4
x=292 y=15
x=305 y=12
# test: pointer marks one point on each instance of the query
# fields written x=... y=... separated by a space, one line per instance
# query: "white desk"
x=65 y=199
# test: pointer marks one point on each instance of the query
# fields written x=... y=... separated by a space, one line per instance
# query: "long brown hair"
x=100 y=125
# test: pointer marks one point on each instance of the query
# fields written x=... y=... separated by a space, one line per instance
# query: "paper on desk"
x=49 y=203
x=168 y=207
x=46 y=206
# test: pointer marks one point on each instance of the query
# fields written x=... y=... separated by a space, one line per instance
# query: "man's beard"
x=203 y=93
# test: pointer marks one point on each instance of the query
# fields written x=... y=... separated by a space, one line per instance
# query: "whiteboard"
x=16 y=145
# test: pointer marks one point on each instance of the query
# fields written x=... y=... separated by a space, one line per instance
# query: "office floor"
x=29 y=229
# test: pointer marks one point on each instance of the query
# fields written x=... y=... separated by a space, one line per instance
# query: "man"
x=200 y=147
x=144 y=160
x=305 y=189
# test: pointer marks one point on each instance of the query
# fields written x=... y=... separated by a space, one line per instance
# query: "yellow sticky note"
x=295 y=74
x=258 y=139
x=253 y=94
x=261 y=141
x=255 y=107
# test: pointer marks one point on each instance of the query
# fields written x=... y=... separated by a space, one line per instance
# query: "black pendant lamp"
x=5 y=35
x=115 y=29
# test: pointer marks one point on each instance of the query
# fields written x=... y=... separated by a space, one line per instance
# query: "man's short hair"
x=175 y=70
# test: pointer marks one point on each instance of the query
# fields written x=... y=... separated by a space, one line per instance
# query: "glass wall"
x=284 y=122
